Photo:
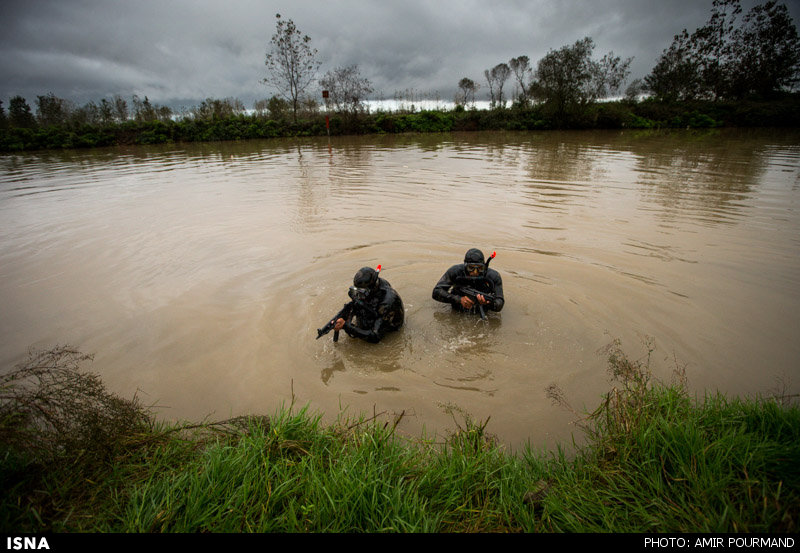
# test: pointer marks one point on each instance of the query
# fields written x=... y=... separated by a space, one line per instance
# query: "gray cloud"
x=182 y=51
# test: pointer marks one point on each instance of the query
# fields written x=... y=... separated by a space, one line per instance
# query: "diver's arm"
x=372 y=335
x=499 y=300
x=441 y=292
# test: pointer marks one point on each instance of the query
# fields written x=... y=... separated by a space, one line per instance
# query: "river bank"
x=648 y=114
x=76 y=458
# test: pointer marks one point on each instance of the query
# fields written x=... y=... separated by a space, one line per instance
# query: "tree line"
x=54 y=111
x=733 y=57
x=728 y=58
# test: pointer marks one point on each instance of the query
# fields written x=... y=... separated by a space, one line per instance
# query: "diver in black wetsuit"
x=376 y=307
x=474 y=273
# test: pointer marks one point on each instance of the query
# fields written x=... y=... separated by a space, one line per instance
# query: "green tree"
x=144 y=110
x=291 y=62
x=212 y=109
x=277 y=107
x=114 y=110
x=19 y=113
x=714 y=47
x=608 y=75
x=347 y=90
x=636 y=89
x=767 y=52
x=468 y=88
x=51 y=110
x=106 y=111
x=261 y=108
x=88 y=114
x=309 y=106
x=3 y=118
x=164 y=113
x=568 y=79
x=726 y=58
x=676 y=75
x=120 y=109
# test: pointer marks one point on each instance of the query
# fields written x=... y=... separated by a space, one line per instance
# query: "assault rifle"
x=472 y=294
x=345 y=314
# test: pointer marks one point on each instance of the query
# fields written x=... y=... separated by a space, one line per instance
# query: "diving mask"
x=359 y=294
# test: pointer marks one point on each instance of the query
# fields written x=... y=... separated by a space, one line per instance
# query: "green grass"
x=654 y=460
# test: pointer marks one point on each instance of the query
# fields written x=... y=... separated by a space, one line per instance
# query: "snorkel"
x=494 y=254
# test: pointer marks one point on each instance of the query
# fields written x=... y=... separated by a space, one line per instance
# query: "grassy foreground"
x=76 y=458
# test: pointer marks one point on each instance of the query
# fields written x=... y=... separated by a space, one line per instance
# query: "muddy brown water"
x=198 y=274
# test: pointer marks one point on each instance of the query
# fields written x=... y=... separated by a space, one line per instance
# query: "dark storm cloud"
x=180 y=52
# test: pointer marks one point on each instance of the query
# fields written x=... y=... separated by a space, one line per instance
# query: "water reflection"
x=706 y=177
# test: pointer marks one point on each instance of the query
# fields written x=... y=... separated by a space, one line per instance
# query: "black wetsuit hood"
x=474 y=255
x=366 y=277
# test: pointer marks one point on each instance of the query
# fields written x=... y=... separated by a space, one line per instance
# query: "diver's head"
x=474 y=263
x=364 y=282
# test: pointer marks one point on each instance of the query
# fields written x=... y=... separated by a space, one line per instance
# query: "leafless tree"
x=291 y=62
x=521 y=67
x=501 y=72
x=347 y=90
x=496 y=78
x=490 y=81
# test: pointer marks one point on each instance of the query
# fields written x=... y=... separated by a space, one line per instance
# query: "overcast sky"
x=178 y=52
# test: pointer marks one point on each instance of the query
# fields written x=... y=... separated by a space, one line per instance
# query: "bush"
x=49 y=409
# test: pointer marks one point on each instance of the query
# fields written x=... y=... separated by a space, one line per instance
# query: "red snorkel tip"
x=490 y=259
x=379 y=268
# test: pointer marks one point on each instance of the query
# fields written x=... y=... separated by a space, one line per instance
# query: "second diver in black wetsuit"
x=376 y=308
x=471 y=286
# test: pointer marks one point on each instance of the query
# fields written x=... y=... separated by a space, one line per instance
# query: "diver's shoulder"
x=493 y=275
